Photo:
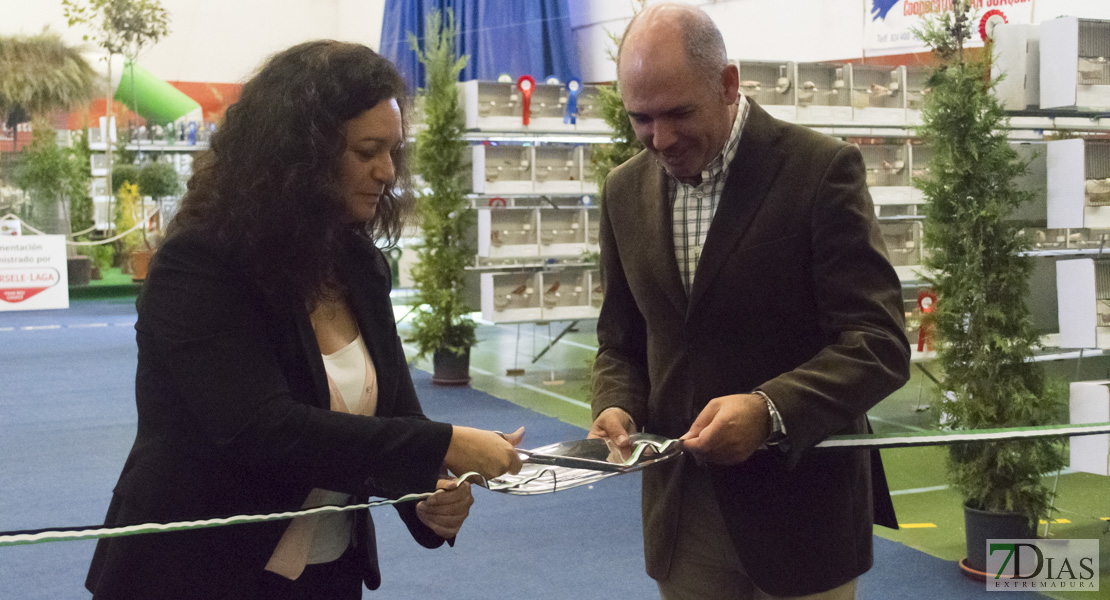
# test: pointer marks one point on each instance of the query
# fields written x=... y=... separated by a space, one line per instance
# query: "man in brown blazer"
x=750 y=310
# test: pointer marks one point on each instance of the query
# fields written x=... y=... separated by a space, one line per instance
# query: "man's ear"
x=730 y=84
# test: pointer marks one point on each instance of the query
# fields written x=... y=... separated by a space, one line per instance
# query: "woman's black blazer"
x=233 y=418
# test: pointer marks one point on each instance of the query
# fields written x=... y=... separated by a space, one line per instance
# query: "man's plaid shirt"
x=693 y=206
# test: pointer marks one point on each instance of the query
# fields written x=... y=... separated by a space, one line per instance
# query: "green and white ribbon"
x=531 y=480
x=62 y=535
x=644 y=446
x=940 y=438
x=86 y=533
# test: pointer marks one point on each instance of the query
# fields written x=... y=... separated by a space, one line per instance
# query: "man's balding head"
x=678 y=89
x=677 y=28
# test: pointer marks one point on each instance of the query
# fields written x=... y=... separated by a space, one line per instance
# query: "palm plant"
x=40 y=74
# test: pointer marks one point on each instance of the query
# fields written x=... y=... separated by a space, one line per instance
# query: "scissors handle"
x=525 y=455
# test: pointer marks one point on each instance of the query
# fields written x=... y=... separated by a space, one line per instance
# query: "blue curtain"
x=532 y=37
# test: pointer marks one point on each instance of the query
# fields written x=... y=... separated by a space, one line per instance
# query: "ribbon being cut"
x=566 y=465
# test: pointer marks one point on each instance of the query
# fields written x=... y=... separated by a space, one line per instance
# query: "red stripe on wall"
x=214 y=98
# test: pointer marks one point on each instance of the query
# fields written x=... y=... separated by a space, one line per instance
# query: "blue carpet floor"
x=67 y=420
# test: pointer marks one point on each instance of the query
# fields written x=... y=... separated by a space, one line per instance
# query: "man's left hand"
x=729 y=429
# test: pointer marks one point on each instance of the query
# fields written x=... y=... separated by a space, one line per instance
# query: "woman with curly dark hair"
x=270 y=374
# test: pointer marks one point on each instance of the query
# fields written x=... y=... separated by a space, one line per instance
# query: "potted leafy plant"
x=57 y=182
x=40 y=75
x=983 y=325
x=158 y=180
x=441 y=326
x=81 y=211
x=119 y=27
x=125 y=183
x=100 y=255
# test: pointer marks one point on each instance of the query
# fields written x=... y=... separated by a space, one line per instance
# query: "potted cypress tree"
x=983 y=325
x=446 y=219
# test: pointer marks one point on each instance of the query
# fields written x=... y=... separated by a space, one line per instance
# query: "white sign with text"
x=33 y=273
x=888 y=24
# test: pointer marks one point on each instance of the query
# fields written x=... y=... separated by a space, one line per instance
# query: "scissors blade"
x=599 y=455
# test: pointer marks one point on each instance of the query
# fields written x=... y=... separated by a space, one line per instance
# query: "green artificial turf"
x=932 y=512
x=112 y=284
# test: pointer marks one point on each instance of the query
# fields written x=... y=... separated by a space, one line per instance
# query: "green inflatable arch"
x=150 y=97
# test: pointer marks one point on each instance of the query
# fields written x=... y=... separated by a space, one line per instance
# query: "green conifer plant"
x=624 y=146
x=446 y=217
x=984 y=330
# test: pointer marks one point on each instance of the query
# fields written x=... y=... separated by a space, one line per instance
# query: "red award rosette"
x=526 y=84
x=990 y=20
x=926 y=303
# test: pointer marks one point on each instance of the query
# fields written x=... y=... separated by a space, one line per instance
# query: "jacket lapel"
x=753 y=170
x=321 y=393
x=660 y=226
x=363 y=272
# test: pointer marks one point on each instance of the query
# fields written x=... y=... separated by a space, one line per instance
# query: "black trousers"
x=340 y=579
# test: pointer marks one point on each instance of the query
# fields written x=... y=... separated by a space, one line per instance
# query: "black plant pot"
x=79 y=270
x=450 y=368
x=982 y=525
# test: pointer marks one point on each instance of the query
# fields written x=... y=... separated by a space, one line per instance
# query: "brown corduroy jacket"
x=793 y=296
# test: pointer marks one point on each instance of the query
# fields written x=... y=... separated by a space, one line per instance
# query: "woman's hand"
x=488 y=453
x=445 y=511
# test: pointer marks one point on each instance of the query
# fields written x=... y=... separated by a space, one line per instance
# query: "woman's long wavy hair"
x=269 y=187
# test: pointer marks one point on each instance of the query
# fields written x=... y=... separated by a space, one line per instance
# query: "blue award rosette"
x=573 y=87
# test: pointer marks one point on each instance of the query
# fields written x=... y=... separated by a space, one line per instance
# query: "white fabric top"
x=351 y=372
x=316 y=539
x=347 y=367
x=333 y=530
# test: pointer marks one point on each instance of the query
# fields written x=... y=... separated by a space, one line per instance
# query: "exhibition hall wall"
x=223 y=41
x=790 y=30
x=220 y=41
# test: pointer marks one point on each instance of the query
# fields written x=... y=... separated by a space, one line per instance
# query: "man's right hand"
x=614 y=425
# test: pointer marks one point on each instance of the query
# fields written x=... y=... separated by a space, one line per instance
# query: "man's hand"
x=614 y=425
x=445 y=511
x=729 y=429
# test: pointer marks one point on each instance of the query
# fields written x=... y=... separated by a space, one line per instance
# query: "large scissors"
x=602 y=455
